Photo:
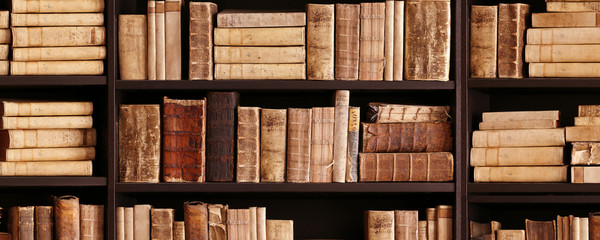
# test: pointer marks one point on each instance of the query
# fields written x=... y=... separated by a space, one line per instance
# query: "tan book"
x=238 y=224
x=379 y=224
x=320 y=19
x=4 y=52
x=59 y=53
x=4 y=68
x=217 y=221
x=564 y=19
x=562 y=53
x=197 y=218
x=225 y=54
x=589 y=35
x=173 y=39
x=519 y=124
x=261 y=223
x=585 y=153
x=21 y=223
x=179 y=230
x=483 y=42
x=587 y=121
x=162 y=223
x=46 y=122
x=388 y=43
x=260 y=71
x=47 y=138
x=520 y=138
x=202 y=20
x=423 y=230
x=582 y=6
x=298 y=145
x=287 y=36
x=248 y=144
x=53 y=6
x=53 y=168
x=512 y=22
x=583 y=134
x=5 y=36
x=253 y=223
x=372 y=34
x=47 y=154
x=141 y=221
x=587 y=174
x=151 y=40
x=56 y=19
x=398 y=40
x=584 y=228
x=510 y=234
x=159 y=16
x=479 y=230
x=272 y=145
x=67 y=217
x=575 y=229
x=353 y=140
x=540 y=229
x=139 y=143
x=520 y=115
x=397 y=113
x=444 y=221
x=4 y=17
x=22 y=107
x=518 y=156
x=260 y=18
x=431 y=216
x=427 y=40
x=347 y=32
x=120 y=224
x=406 y=225
x=133 y=48
x=321 y=154
x=59 y=36
x=57 y=68
x=521 y=174
x=92 y=222
x=589 y=110
x=340 y=135
x=280 y=230
x=406 y=167
x=44 y=222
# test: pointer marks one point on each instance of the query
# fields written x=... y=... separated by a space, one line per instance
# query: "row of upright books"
x=405 y=224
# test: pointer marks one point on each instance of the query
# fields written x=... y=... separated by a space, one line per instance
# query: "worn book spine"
x=340 y=135
x=92 y=222
x=261 y=223
x=562 y=53
x=589 y=110
x=398 y=40
x=298 y=145
x=196 y=219
x=395 y=113
x=139 y=143
x=584 y=228
x=120 y=224
x=563 y=36
x=407 y=137
x=483 y=43
x=406 y=225
x=280 y=230
x=56 y=19
x=402 y=167
x=353 y=140
x=3 y=51
x=66 y=217
x=52 y=6
x=320 y=25
x=521 y=174
x=575 y=229
x=540 y=229
x=44 y=108
x=5 y=36
x=47 y=154
x=173 y=39
x=583 y=134
x=253 y=223
x=261 y=71
x=379 y=224
x=217 y=222
x=582 y=6
x=159 y=16
x=522 y=137
x=133 y=48
x=518 y=156
x=51 y=168
x=238 y=224
x=221 y=113
x=253 y=19
x=151 y=40
x=585 y=153
x=272 y=145
x=46 y=122
x=520 y=115
x=566 y=19
x=587 y=121
x=431 y=216
x=587 y=174
x=162 y=223
x=43 y=222
x=248 y=144
x=564 y=70
x=512 y=22
x=60 y=36
x=321 y=154
x=347 y=32
x=57 y=68
x=519 y=124
x=510 y=235
x=21 y=223
x=444 y=222
x=284 y=54
x=179 y=230
x=60 y=53
x=287 y=36
x=423 y=230
x=202 y=20
x=388 y=44
x=372 y=36
x=141 y=221
x=4 y=17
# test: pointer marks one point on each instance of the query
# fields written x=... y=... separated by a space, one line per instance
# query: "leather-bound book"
x=66 y=217
x=388 y=44
x=431 y=215
x=221 y=113
x=21 y=223
x=141 y=221
x=14 y=107
x=160 y=40
x=398 y=40
x=395 y=113
x=400 y=167
x=260 y=18
x=280 y=230
x=184 y=129
x=92 y=222
x=483 y=43
x=444 y=222
x=407 y=137
x=372 y=59
x=5 y=236
x=173 y=39
x=248 y=145
x=347 y=32
x=261 y=71
x=151 y=40
x=217 y=221
x=46 y=168
x=340 y=135
x=353 y=139
x=179 y=230
x=589 y=110
x=46 y=122
x=238 y=224
x=44 y=223
x=272 y=145
x=281 y=36
x=162 y=223
x=298 y=145
x=320 y=24
x=120 y=223
x=196 y=218
x=52 y=6
x=406 y=225
x=379 y=224
x=202 y=20
x=55 y=19
x=563 y=36
x=321 y=154
x=261 y=223
x=524 y=137
x=520 y=115
x=133 y=48
x=512 y=22
x=540 y=230
x=423 y=230
x=268 y=55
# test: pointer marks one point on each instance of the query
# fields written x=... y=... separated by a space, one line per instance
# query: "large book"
x=585 y=153
x=444 y=222
x=197 y=221
x=92 y=222
x=179 y=230
x=66 y=217
x=261 y=223
x=133 y=48
x=427 y=40
x=402 y=167
x=347 y=32
x=248 y=144
x=227 y=54
x=52 y=6
x=60 y=36
x=162 y=223
x=519 y=124
x=221 y=113
x=173 y=39
x=139 y=143
x=379 y=224
x=321 y=153
x=286 y=36
x=272 y=144
x=517 y=156
x=141 y=221
x=51 y=168
x=589 y=110
x=63 y=54
x=57 y=68
x=340 y=135
x=521 y=174
x=372 y=34
x=264 y=71
x=520 y=115
x=398 y=40
x=510 y=234
x=280 y=230
x=159 y=17
x=353 y=140
x=540 y=230
x=151 y=40
x=562 y=53
x=406 y=225
x=388 y=43
x=217 y=221
x=298 y=145
x=583 y=134
x=184 y=129
x=120 y=223
x=557 y=36
x=512 y=22
x=587 y=121
x=46 y=122
x=56 y=19
x=431 y=216
x=520 y=138
x=202 y=20
x=406 y=137
x=21 y=223
x=320 y=26
x=564 y=70
x=564 y=19
x=18 y=107
x=587 y=174
x=237 y=18
x=238 y=224
x=395 y=113
x=47 y=154
x=47 y=138
x=44 y=222
x=582 y=6
x=483 y=42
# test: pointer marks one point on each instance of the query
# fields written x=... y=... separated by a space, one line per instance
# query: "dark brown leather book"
x=92 y=222
x=20 y=223
x=540 y=230
x=217 y=221
x=66 y=217
x=43 y=222
x=512 y=23
x=347 y=33
x=298 y=145
x=248 y=145
x=221 y=114
x=401 y=167
x=184 y=128
x=196 y=220
x=162 y=223
x=407 y=137
x=202 y=19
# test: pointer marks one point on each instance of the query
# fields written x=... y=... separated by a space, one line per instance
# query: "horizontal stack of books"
x=585 y=138
x=405 y=224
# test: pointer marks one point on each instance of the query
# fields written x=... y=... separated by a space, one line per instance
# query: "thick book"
x=92 y=222
x=202 y=20
x=483 y=42
x=59 y=53
x=221 y=118
x=557 y=36
x=173 y=39
x=585 y=153
x=431 y=215
x=388 y=43
x=56 y=19
x=516 y=156
x=151 y=40
x=510 y=234
x=347 y=32
x=217 y=221
x=587 y=174
x=353 y=140
x=444 y=222
x=59 y=36
x=540 y=230
x=141 y=221
x=398 y=41
x=57 y=68
x=52 y=6
x=280 y=230
x=512 y=22
x=162 y=223
x=564 y=70
x=340 y=135
x=238 y=18
x=139 y=143
x=50 y=168
x=18 y=107
x=21 y=223
x=520 y=115
x=587 y=121
x=320 y=26
x=406 y=167
x=589 y=110
x=248 y=144
x=521 y=174
x=406 y=137
x=47 y=138
x=406 y=225
x=583 y=134
x=372 y=34
x=321 y=153
x=159 y=17
x=582 y=6
x=120 y=223
x=47 y=154
x=427 y=40
x=273 y=131
x=261 y=223
x=379 y=224
x=44 y=222
x=286 y=36
x=298 y=145
x=520 y=138
x=519 y=124
x=133 y=48
x=260 y=71
x=179 y=230
x=46 y=122
x=564 y=19
x=562 y=53
x=227 y=54
x=238 y=224
x=395 y=113
x=184 y=130
x=67 y=217
x=197 y=220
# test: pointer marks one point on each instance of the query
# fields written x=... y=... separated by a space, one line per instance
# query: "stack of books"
x=585 y=140
x=563 y=228
x=405 y=224
x=4 y=41
x=522 y=146
x=61 y=38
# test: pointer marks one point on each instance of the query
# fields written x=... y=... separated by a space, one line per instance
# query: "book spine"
x=151 y=40
x=587 y=174
x=484 y=36
x=202 y=19
x=398 y=40
x=587 y=121
x=444 y=221
x=51 y=6
x=353 y=140
x=57 y=68
x=4 y=52
x=179 y=230
x=422 y=230
x=340 y=135
x=567 y=227
x=196 y=219
x=519 y=124
x=46 y=122
x=162 y=223
x=580 y=19
x=261 y=223
x=21 y=223
x=406 y=225
x=57 y=19
x=520 y=115
x=519 y=156
x=92 y=222
x=272 y=145
x=562 y=53
x=59 y=36
x=61 y=53
x=217 y=221
x=248 y=145
x=419 y=167
x=582 y=134
x=52 y=168
x=589 y=111
x=139 y=143
x=47 y=154
x=273 y=55
x=564 y=70
x=380 y=224
x=283 y=71
x=129 y=230
x=160 y=40
x=521 y=174
x=221 y=136
x=238 y=224
x=512 y=22
x=431 y=214
x=584 y=228
x=46 y=138
x=559 y=36
x=372 y=35
x=520 y=138
x=264 y=19
x=120 y=223
x=66 y=217
x=407 y=137
x=510 y=235
x=141 y=221
x=4 y=67
x=298 y=145
x=5 y=36
x=388 y=45
x=253 y=223
x=407 y=113
x=321 y=158
x=320 y=41
x=280 y=230
x=347 y=32
x=594 y=227
x=585 y=153
x=43 y=222
x=575 y=229
x=287 y=36
x=4 y=17
x=573 y=6
x=18 y=108
x=173 y=39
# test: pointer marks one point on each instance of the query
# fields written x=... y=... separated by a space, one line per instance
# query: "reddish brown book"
x=196 y=220
x=20 y=223
x=413 y=167
x=407 y=137
x=43 y=222
x=66 y=217
x=221 y=113
x=594 y=221
x=5 y=236
x=540 y=230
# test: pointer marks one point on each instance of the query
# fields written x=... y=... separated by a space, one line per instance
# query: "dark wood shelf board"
x=533 y=188
x=52 y=182
x=36 y=81
x=555 y=199
x=533 y=83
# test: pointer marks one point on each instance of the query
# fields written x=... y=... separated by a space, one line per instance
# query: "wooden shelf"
x=52 y=182
x=534 y=83
x=540 y=199
x=48 y=81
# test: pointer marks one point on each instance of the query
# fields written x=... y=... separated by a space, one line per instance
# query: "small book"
x=540 y=230
x=217 y=221
x=353 y=140
x=179 y=230
x=238 y=224
x=379 y=224
x=587 y=174
x=505 y=234
x=280 y=230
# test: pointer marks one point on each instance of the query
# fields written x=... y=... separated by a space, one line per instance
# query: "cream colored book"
x=5 y=36
x=398 y=40
x=57 y=68
x=4 y=16
x=56 y=19
x=519 y=156
x=141 y=221
x=518 y=124
x=226 y=54
x=288 y=36
x=57 y=6
x=173 y=39
x=520 y=115
x=260 y=71
x=510 y=234
x=58 y=53
x=151 y=40
x=260 y=18
x=564 y=36
x=3 y=51
x=54 y=122
x=444 y=222
x=53 y=168
x=129 y=218
x=320 y=41
x=564 y=70
x=133 y=40
x=340 y=135
x=57 y=36
x=16 y=107
x=159 y=16
x=573 y=6
x=521 y=174
x=587 y=174
x=583 y=134
x=483 y=43
x=520 y=138
x=587 y=121
x=4 y=68
x=564 y=19
x=47 y=138
x=280 y=230
x=47 y=154
x=562 y=53
x=388 y=43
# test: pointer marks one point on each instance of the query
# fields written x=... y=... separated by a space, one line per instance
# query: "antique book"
x=253 y=223
x=280 y=230
x=133 y=58
x=589 y=110
x=197 y=220
x=5 y=36
x=564 y=19
x=519 y=124
x=173 y=39
x=479 y=230
x=517 y=156
x=272 y=144
x=57 y=68
x=559 y=36
x=483 y=42
x=66 y=217
x=431 y=216
x=261 y=223
x=427 y=40
x=347 y=32
x=395 y=113
x=47 y=154
x=217 y=222
x=398 y=40
x=202 y=20
x=120 y=224
x=520 y=138
x=221 y=113
x=139 y=143
x=520 y=115
x=587 y=174
x=512 y=22
x=540 y=230
x=56 y=19
x=246 y=18
x=298 y=145
x=141 y=221
x=44 y=222
x=444 y=222
x=184 y=128
x=21 y=223
x=248 y=144
x=179 y=230
x=162 y=223
x=264 y=71
x=406 y=225
x=402 y=167
x=151 y=40
x=4 y=67
x=353 y=140
x=59 y=36
x=388 y=43
x=238 y=224
x=585 y=153
x=423 y=230
x=19 y=107
x=285 y=36
x=582 y=134
x=51 y=168
x=562 y=53
x=406 y=137
x=521 y=174
x=587 y=121
x=562 y=227
x=320 y=24
x=159 y=17
x=584 y=231
x=4 y=51
x=372 y=34
x=53 y=6
x=379 y=224
x=4 y=17
x=92 y=222
x=575 y=228
x=227 y=54
x=129 y=229
x=510 y=234
x=46 y=138
x=321 y=153
x=594 y=225
x=582 y=6
x=46 y=122
x=60 y=53
x=340 y=135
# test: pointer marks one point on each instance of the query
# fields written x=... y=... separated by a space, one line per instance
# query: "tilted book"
x=52 y=6
x=483 y=42
x=59 y=36
x=272 y=145
x=139 y=143
x=371 y=59
x=379 y=224
x=67 y=217
x=162 y=223
x=196 y=219
x=347 y=31
x=92 y=222
x=321 y=154
x=407 y=137
x=298 y=145
x=47 y=154
x=280 y=230
x=396 y=113
x=221 y=118
x=287 y=36
x=320 y=19
x=60 y=54
x=521 y=174
x=248 y=144
x=21 y=223
x=44 y=222
x=133 y=37
x=173 y=39
x=520 y=138
x=402 y=167
x=88 y=67
x=46 y=168
x=587 y=35
x=47 y=138
x=512 y=22
x=516 y=156
x=585 y=153
x=260 y=18
x=202 y=20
